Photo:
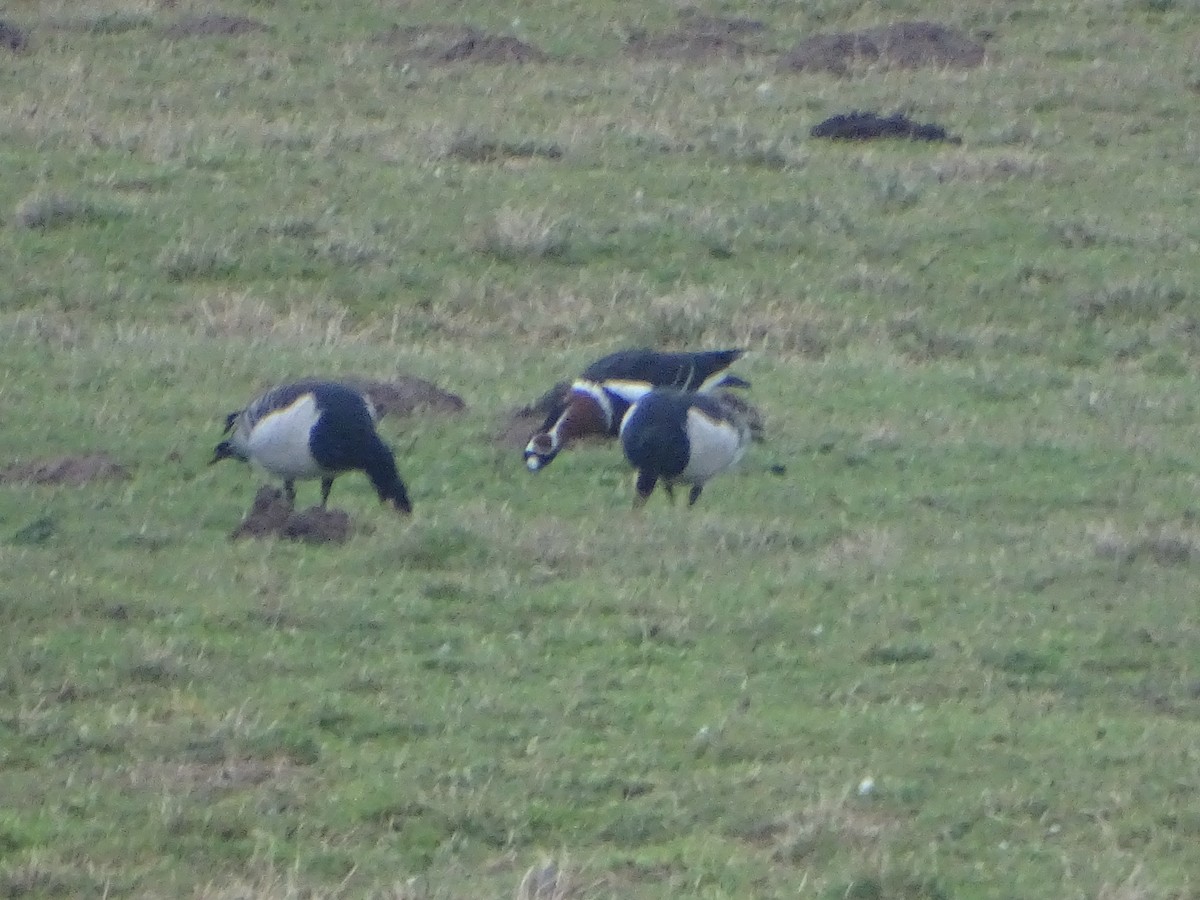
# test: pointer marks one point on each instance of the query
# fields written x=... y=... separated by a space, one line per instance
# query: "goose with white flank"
x=313 y=429
x=682 y=438
x=597 y=401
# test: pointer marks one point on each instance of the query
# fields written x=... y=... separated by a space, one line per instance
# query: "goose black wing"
x=685 y=371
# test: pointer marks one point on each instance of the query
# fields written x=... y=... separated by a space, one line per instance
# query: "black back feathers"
x=689 y=371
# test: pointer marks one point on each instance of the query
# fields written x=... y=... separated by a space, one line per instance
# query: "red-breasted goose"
x=598 y=400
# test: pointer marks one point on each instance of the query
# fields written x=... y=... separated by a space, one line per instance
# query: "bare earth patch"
x=866 y=126
x=450 y=43
x=404 y=395
x=70 y=470
x=904 y=45
x=212 y=25
x=271 y=516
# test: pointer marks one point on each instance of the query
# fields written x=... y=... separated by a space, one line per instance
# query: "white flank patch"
x=279 y=440
x=533 y=463
x=629 y=391
x=715 y=446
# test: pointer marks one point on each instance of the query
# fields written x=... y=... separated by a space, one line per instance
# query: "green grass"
x=937 y=637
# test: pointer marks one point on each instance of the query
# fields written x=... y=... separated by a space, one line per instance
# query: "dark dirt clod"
x=71 y=470
x=211 y=25
x=13 y=38
x=906 y=45
x=865 y=126
x=404 y=395
x=270 y=515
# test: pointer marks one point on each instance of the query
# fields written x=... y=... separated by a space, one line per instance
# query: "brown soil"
x=459 y=43
x=72 y=470
x=211 y=25
x=905 y=45
x=271 y=516
x=404 y=395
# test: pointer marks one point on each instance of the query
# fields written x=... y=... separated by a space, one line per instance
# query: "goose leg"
x=289 y=492
x=326 y=486
x=694 y=494
x=645 y=486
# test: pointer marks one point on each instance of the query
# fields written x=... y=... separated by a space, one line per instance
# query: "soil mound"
x=271 y=516
x=71 y=470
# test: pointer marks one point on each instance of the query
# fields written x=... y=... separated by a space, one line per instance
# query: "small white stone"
x=866 y=787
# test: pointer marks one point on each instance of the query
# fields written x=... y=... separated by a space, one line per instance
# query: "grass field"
x=938 y=637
